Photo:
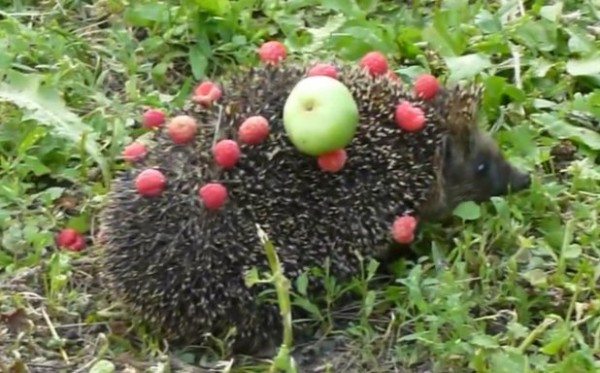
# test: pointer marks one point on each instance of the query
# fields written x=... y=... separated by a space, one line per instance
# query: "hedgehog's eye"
x=482 y=167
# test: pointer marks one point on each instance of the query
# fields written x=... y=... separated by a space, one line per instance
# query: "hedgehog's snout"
x=519 y=180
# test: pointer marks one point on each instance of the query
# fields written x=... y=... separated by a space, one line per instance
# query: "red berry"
x=206 y=93
x=408 y=117
x=134 y=151
x=153 y=118
x=392 y=75
x=375 y=62
x=253 y=130
x=323 y=69
x=150 y=182
x=79 y=243
x=426 y=86
x=182 y=128
x=403 y=229
x=71 y=239
x=272 y=52
x=213 y=195
x=332 y=161
x=66 y=237
x=226 y=153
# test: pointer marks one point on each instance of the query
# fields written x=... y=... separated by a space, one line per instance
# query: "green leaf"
x=580 y=41
x=345 y=7
x=309 y=307
x=34 y=164
x=561 y=129
x=147 y=13
x=217 y=7
x=488 y=22
x=540 y=35
x=159 y=70
x=368 y=6
x=483 y=340
x=446 y=40
x=467 y=66
x=372 y=268
x=517 y=330
x=5 y=260
x=559 y=339
x=552 y=12
x=251 y=277
x=456 y=13
x=5 y=59
x=509 y=362
x=584 y=66
x=578 y=362
x=536 y=277
x=589 y=103
x=494 y=92
x=501 y=205
x=541 y=67
x=198 y=61
x=30 y=139
x=79 y=222
x=52 y=193
x=369 y=303
x=468 y=210
x=187 y=357
x=572 y=251
x=321 y=35
x=302 y=284
x=102 y=366
x=44 y=105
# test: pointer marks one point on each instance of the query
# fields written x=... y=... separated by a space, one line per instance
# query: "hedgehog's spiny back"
x=379 y=157
x=169 y=257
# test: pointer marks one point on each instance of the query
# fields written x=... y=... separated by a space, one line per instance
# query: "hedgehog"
x=180 y=266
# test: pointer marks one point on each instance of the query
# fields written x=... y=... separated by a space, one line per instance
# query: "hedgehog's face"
x=471 y=164
x=476 y=170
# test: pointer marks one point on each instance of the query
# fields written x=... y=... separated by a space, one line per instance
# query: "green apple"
x=320 y=115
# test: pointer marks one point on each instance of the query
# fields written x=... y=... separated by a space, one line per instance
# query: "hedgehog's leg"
x=261 y=334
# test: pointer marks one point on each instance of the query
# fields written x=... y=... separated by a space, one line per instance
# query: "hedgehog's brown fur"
x=182 y=267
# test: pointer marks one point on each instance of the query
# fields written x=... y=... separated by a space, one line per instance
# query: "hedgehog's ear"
x=462 y=107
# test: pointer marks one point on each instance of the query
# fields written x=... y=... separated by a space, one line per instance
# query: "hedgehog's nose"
x=520 y=181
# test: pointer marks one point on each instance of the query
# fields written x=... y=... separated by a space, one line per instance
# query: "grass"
x=511 y=286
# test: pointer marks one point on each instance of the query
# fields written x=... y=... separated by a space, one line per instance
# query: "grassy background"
x=511 y=287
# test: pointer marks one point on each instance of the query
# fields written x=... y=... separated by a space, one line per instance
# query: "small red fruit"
x=79 y=243
x=182 y=128
x=426 y=86
x=226 y=153
x=71 y=239
x=272 y=52
x=375 y=62
x=332 y=161
x=403 y=229
x=408 y=117
x=206 y=93
x=153 y=118
x=150 y=182
x=213 y=195
x=253 y=130
x=391 y=74
x=325 y=69
x=134 y=151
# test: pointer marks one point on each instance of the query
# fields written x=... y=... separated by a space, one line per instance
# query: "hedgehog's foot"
x=260 y=335
x=267 y=351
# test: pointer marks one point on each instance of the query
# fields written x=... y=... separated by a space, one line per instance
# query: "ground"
x=509 y=286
